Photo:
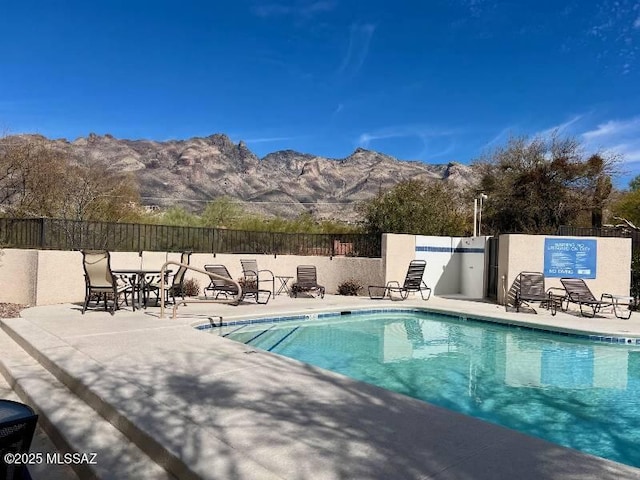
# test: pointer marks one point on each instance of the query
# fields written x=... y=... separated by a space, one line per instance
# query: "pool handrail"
x=235 y=300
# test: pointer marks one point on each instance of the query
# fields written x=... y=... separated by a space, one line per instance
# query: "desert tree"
x=93 y=191
x=221 y=212
x=40 y=180
x=536 y=185
x=416 y=207
x=627 y=205
x=179 y=217
x=30 y=174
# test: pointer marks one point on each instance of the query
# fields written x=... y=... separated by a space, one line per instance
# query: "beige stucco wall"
x=60 y=277
x=18 y=276
x=331 y=271
x=45 y=277
x=397 y=251
x=519 y=253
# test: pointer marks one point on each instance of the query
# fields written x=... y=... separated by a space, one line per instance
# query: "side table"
x=619 y=301
x=284 y=287
x=555 y=297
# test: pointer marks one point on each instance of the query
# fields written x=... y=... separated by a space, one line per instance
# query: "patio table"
x=283 y=284
x=139 y=280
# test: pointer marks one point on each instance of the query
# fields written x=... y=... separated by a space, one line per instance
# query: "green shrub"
x=349 y=287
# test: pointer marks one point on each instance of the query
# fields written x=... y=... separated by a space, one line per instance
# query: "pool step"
x=72 y=425
x=267 y=339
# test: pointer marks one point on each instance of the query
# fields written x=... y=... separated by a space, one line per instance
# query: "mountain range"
x=195 y=171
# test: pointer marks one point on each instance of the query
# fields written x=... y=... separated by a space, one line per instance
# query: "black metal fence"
x=602 y=232
x=56 y=234
x=614 y=232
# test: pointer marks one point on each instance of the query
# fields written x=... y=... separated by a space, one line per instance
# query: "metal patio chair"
x=412 y=283
x=219 y=286
x=530 y=287
x=100 y=283
x=173 y=284
x=578 y=292
x=253 y=274
x=307 y=281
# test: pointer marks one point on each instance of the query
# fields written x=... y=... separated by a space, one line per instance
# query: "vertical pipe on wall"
x=475 y=217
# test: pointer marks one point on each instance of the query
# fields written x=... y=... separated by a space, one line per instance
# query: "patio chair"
x=172 y=285
x=412 y=283
x=16 y=435
x=99 y=281
x=307 y=281
x=529 y=287
x=578 y=292
x=219 y=286
x=253 y=274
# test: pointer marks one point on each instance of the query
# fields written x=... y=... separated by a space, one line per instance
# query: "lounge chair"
x=219 y=286
x=578 y=292
x=412 y=283
x=253 y=274
x=307 y=281
x=173 y=284
x=99 y=281
x=529 y=287
x=224 y=287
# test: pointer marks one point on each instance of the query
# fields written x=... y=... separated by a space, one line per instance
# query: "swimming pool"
x=580 y=394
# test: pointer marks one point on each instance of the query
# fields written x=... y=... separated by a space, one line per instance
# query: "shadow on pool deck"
x=206 y=407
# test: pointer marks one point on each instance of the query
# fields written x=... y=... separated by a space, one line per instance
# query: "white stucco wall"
x=455 y=265
x=473 y=265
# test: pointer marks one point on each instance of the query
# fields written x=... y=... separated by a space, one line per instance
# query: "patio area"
x=151 y=396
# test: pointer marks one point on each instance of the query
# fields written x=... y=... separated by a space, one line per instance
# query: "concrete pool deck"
x=151 y=396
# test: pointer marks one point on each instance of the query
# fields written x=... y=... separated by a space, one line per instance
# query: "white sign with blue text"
x=570 y=258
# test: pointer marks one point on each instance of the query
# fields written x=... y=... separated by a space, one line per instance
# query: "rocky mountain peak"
x=194 y=171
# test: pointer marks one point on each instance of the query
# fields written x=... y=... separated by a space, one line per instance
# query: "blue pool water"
x=583 y=395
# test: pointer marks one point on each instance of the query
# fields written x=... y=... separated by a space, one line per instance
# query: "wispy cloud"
x=620 y=137
x=359 y=41
x=268 y=139
x=614 y=128
x=300 y=10
x=500 y=137
x=427 y=135
x=564 y=128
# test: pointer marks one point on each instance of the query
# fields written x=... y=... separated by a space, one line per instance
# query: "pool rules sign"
x=569 y=258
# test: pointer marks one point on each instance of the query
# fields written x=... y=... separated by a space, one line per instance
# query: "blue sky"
x=429 y=80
